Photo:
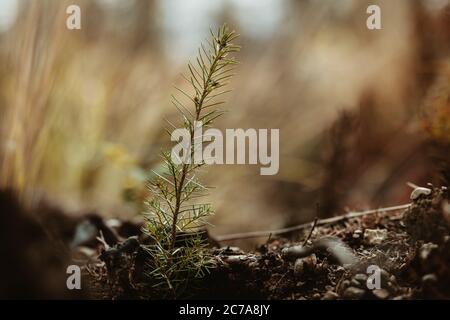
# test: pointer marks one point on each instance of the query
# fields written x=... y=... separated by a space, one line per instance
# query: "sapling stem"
x=169 y=211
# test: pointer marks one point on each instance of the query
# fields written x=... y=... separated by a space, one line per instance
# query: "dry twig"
x=258 y=234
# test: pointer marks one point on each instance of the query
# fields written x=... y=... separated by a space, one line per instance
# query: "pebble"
x=235 y=259
x=426 y=249
x=418 y=192
x=357 y=234
x=429 y=278
x=316 y=296
x=330 y=295
x=355 y=283
x=299 y=266
x=353 y=293
x=361 y=278
x=312 y=261
x=340 y=268
x=384 y=275
x=375 y=236
x=306 y=262
x=235 y=250
x=381 y=293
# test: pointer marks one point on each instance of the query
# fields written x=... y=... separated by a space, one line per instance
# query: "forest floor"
x=380 y=254
x=407 y=251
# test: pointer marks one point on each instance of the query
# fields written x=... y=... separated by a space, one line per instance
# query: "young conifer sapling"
x=174 y=215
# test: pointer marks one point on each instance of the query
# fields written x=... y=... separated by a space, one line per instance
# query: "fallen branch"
x=259 y=234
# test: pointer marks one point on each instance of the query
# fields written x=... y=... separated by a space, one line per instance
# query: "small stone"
x=384 y=275
x=316 y=296
x=235 y=250
x=355 y=283
x=299 y=266
x=308 y=263
x=235 y=259
x=381 y=293
x=420 y=191
x=312 y=260
x=391 y=285
x=361 y=278
x=340 y=268
x=429 y=278
x=426 y=249
x=345 y=283
x=357 y=234
x=375 y=236
x=330 y=295
x=353 y=293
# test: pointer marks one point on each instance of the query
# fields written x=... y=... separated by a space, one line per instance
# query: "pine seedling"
x=174 y=216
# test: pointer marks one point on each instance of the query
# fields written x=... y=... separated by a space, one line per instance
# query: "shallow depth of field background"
x=360 y=112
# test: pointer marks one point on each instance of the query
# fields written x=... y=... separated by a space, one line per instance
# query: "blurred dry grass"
x=81 y=112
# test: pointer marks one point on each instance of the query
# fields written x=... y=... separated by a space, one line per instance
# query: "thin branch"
x=259 y=234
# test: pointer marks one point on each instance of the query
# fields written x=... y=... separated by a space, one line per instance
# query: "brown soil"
x=410 y=247
x=414 y=261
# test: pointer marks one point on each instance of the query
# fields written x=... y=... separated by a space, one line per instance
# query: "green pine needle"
x=171 y=216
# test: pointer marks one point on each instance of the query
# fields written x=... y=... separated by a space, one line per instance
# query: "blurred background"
x=360 y=112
